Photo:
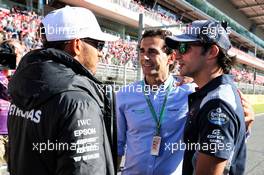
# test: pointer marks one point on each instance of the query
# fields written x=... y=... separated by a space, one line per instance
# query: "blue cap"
x=204 y=31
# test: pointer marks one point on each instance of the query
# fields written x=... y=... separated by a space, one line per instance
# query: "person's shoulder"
x=190 y=87
x=32 y=56
x=73 y=98
x=224 y=93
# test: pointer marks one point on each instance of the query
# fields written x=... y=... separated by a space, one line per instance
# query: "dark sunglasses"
x=184 y=47
x=99 y=45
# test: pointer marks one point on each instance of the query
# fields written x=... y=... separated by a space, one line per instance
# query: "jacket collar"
x=69 y=61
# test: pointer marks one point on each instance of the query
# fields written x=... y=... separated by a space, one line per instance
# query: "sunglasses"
x=183 y=48
x=99 y=45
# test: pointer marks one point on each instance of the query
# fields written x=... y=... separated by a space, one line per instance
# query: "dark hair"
x=225 y=61
x=162 y=34
x=8 y=46
x=4 y=93
x=8 y=54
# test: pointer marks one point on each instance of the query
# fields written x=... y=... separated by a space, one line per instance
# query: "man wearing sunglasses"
x=215 y=130
x=56 y=118
x=151 y=113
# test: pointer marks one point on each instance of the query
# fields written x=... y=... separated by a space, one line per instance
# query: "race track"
x=255 y=147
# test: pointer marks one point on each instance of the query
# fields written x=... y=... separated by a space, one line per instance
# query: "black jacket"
x=56 y=123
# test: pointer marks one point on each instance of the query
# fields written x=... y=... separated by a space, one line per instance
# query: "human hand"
x=183 y=80
x=248 y=111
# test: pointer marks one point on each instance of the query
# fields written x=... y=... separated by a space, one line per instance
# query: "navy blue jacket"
x=215 y=126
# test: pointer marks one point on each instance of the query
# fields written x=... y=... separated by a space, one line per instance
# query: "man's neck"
x=205 y=77
x=156 y=81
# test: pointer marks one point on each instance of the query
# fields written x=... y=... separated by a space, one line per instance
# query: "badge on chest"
x=155 y=146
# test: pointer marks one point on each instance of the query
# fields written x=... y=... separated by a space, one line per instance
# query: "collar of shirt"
x=211 y=85
x=162 y=88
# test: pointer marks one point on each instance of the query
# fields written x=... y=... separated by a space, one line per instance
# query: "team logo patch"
x=217 y=117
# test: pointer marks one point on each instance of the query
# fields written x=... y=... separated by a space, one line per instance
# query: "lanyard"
x=152 y=110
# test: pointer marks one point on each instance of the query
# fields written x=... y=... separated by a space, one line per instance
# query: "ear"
x=172 y=58
x=214 y=51
x=74 y=47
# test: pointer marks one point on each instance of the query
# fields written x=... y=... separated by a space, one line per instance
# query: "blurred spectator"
x=120 y=53
x=244 y=75
x=13 y=46
x=138 y=6
x=22 y=25
x=9 y=47
x=4 y=105
x=2 y=34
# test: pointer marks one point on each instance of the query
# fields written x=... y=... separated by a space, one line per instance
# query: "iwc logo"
x=217 y=117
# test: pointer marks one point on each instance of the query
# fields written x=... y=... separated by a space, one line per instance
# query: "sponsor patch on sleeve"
x=218 y=116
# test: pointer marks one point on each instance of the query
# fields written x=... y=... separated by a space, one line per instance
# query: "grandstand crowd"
x=23 y=25
x=149 y=11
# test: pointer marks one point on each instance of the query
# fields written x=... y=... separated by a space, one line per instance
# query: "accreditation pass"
x=155 y=146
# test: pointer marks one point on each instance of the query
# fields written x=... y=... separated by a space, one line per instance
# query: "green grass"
x=258 y=108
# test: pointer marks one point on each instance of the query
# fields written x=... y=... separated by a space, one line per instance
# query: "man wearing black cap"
x=56 y=117
x=215 y=129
